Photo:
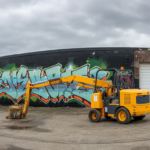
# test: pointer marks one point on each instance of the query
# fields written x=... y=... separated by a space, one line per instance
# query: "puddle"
x=24 y=121
x=19 y=128
x=25 y=127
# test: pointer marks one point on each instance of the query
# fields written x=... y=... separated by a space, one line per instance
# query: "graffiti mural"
x=13 y=82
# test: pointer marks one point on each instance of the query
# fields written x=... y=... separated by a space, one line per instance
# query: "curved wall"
x=17 y=70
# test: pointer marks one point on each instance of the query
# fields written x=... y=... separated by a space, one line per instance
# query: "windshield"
x=125 y=79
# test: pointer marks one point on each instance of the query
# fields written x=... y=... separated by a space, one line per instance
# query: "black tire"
x=139 y=117
x=94 y=115
x=125 y=118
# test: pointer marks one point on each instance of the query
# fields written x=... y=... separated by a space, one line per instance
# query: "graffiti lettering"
x=13 y=83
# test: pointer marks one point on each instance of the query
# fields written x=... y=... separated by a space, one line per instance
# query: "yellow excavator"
x=114 y=98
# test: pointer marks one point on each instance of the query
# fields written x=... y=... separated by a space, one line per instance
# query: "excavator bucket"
x=18 y=111
x=15 y=111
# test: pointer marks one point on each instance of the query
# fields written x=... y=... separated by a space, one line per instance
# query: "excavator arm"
x=82 y=81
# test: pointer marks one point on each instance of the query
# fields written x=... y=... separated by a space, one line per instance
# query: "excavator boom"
x=71 y=79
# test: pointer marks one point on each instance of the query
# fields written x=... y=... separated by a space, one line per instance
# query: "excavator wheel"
x=139 y=118
x=123 y=116
x=94 y=115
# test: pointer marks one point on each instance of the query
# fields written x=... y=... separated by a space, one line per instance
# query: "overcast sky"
x=36 y=25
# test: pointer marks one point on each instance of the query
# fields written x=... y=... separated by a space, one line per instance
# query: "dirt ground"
x=70 y=129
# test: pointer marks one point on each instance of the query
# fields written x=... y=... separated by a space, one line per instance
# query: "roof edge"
x=75 y=49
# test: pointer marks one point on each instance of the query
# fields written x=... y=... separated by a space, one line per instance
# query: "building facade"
x=17 y=70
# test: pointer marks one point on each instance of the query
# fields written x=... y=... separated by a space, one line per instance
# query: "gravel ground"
x=70 y=129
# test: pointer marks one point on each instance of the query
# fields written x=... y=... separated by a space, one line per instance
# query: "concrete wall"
x=17 y=70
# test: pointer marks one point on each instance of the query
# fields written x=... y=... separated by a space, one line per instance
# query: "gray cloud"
x=36 y=25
